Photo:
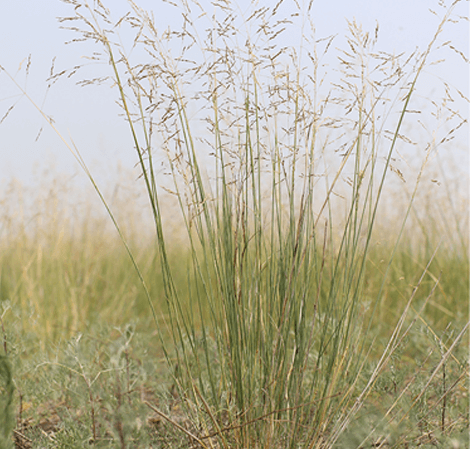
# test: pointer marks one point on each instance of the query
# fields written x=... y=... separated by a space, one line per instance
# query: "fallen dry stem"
x=174 y=423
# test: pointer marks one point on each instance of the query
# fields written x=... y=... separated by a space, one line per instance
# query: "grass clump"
x=276 y=329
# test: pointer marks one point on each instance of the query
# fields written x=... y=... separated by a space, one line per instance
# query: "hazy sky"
x=89 y=116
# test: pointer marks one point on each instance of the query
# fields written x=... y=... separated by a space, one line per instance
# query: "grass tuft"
x=293 y=313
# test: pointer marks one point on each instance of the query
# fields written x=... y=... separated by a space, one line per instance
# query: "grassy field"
x=286 y=281
x=87 y=357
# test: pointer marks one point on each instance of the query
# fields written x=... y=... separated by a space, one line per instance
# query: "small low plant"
x=7 y=420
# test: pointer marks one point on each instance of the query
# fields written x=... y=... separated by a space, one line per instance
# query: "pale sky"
x=89 y=116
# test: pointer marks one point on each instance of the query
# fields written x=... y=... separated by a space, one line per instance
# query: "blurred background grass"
x=63 y=266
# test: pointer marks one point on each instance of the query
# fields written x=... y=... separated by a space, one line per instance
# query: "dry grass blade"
x=175 y=424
